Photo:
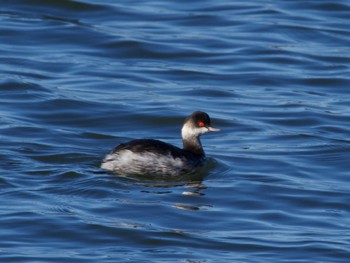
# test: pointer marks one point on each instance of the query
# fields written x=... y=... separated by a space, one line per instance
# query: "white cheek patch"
x=188 y=132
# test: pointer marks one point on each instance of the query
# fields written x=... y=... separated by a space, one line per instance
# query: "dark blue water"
x=79 y=77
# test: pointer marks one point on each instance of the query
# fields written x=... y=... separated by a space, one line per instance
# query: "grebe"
x=160 y=159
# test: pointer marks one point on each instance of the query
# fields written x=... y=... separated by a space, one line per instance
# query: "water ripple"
x=79 y=77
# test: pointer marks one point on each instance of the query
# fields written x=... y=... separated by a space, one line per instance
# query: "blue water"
x=79 y=77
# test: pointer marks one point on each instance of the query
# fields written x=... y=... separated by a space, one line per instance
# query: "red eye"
x=201 y=124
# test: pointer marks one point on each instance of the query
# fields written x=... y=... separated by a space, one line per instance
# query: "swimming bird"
x=148 y=157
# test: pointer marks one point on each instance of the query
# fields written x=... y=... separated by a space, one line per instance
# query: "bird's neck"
x=191 y=141
x=193 y=145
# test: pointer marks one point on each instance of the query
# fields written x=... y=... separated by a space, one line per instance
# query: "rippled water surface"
x=79 y=77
